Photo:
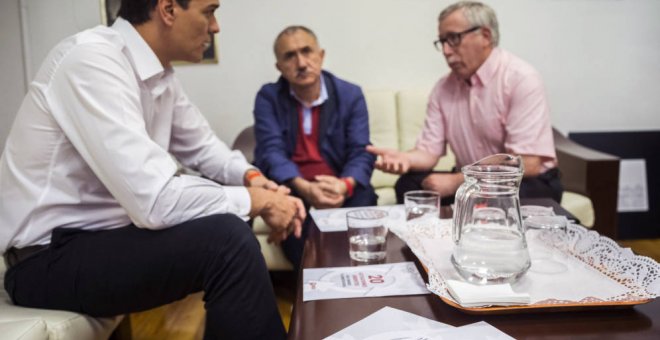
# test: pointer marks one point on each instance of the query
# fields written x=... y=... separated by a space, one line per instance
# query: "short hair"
x=477 y=14
x=290 y=30
x=139 y=11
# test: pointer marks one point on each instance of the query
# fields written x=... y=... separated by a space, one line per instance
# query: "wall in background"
x=599 y=59
x=12 y=80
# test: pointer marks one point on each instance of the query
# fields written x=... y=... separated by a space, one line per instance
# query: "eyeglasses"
x=453 y=39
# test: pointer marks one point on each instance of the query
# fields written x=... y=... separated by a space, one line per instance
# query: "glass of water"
x=367 y=234
x=422 y=204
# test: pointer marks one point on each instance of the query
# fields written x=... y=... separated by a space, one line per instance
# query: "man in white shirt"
x=95 y=216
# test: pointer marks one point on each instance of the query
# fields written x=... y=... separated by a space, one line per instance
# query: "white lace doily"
x=599 y=271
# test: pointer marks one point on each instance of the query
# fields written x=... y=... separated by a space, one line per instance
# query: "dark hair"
x=138 y=11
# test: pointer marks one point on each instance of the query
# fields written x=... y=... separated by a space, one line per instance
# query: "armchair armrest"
x=245 y=142
x=594 y=174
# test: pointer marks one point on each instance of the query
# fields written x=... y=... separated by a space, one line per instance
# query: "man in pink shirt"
x=491 y=102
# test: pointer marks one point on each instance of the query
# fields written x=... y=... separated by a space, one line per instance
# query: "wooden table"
x=322 y=318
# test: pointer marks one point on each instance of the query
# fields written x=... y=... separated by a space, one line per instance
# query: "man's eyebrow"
x=287 y=54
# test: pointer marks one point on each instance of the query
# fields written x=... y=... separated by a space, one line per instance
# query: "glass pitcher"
x=489 y=240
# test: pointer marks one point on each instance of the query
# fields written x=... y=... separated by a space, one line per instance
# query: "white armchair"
x=31 y=323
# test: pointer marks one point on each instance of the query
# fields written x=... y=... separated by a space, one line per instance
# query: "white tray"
x=600 y=273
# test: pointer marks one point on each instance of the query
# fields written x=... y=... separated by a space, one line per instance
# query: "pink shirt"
x=504 y=111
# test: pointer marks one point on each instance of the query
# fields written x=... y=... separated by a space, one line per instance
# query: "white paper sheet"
x=633 y=187
x=362 y=281
x=390 y=323
x=476 y=331
x=330 y=220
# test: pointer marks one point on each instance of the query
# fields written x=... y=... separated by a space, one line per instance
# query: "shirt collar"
x=486 y=71
x=145 y=60
x=320 y=100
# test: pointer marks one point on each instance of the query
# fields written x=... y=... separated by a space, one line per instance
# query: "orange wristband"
x=252 y=175
x=349 y=187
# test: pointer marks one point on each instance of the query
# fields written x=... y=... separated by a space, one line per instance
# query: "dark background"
x=632 y=145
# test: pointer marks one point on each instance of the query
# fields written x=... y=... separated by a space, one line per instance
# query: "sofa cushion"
x=24 y=329
x=274 y=255
x=383 y=129
x=386 y=196
x=32 y=323
x=412 y=105
x=580 y=206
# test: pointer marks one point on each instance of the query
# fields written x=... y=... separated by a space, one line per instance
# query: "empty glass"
x=551 y=232
x=422 y=204
x=367 y=235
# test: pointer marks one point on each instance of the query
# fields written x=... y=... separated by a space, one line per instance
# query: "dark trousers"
x=124 y=270
x=293 y=247
x=547 y=184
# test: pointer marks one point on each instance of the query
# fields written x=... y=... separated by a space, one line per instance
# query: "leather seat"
x=31 y=323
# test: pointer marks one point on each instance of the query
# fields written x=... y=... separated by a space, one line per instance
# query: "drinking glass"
x=367 y=234
x=422 y=204
x=551 y=230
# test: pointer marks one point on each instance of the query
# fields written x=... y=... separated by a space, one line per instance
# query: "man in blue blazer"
x=312 y=129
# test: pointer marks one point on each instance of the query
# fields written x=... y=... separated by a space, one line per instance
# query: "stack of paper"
x=469 y=295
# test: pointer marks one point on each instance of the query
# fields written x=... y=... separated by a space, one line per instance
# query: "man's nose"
x=446 y=49
x=214 y=26
x=301 y=61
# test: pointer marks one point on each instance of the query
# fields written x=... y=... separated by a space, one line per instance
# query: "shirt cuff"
x=237 y=169
x=239 y=201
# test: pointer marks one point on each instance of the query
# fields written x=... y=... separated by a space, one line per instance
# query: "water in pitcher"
x=489 y=253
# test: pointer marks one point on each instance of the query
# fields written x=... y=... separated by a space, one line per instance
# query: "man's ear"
x=488 y=34
x=278 y=67
x=165 y=10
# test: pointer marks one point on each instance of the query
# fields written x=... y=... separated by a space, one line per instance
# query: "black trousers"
x=547 y=184
x=293 y=247
x=124 y=270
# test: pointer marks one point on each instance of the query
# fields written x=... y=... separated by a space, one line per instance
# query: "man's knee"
x=226 y=231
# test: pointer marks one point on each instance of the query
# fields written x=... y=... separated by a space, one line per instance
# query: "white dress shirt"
x=93 y=143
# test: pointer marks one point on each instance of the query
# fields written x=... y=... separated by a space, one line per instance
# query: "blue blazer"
x=343 y=131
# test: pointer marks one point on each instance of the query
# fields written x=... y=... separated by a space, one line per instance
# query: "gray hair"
x=290 y=30
x=477 y=14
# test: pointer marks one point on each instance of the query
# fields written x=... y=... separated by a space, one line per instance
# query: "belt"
x=15 y=255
